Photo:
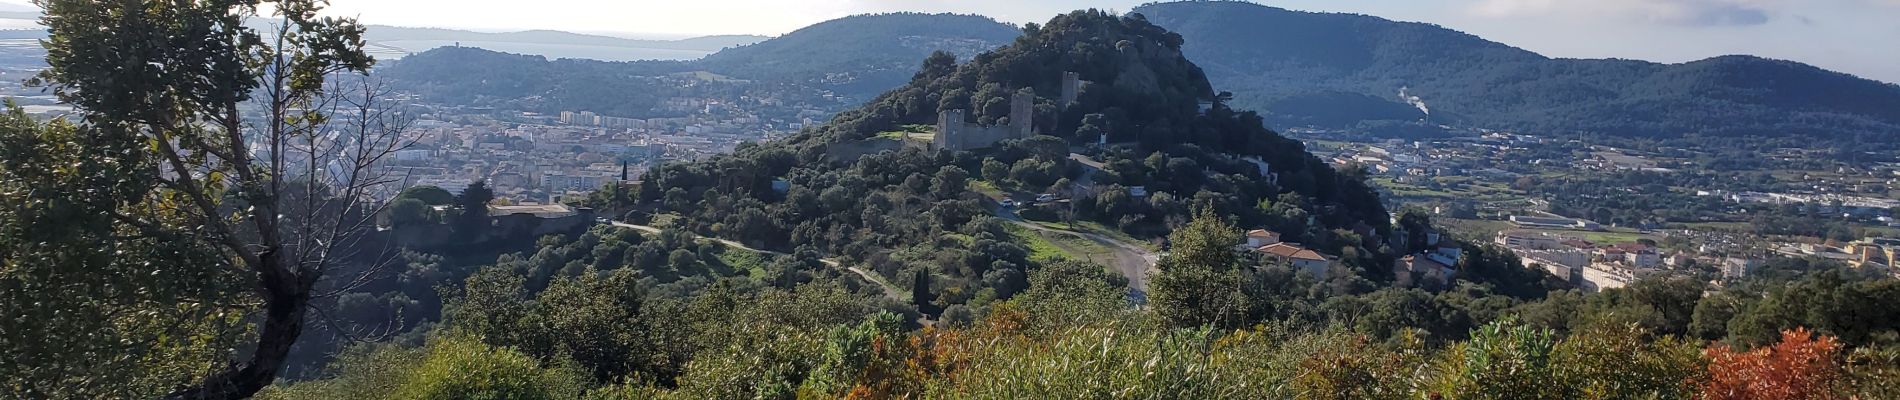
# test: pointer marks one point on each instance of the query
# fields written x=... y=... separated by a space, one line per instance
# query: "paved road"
x=889 y=292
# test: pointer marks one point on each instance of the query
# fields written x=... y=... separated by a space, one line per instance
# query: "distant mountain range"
x=1299 y=69
x=1343 y=70
x=392 y=42
x=383 y=33
x=858 y=56
x=863 y=55
x=1372 y=75
x=395 y=42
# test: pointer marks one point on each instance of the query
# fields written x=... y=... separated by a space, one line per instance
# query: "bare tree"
x=261 y=146
x=325 y=187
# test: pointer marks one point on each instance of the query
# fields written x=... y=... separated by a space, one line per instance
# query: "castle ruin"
x=956 y=133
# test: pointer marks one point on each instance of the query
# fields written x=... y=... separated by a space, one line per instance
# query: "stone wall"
x=955 y=133
x=505 y=228
x=528 y=225
x=849 y=152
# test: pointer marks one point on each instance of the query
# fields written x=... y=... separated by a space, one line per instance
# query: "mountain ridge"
x=862 y=55
x=1468 y=80
x=1348 y=71
x=383 y=33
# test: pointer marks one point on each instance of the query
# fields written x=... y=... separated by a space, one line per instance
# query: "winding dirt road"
x=889 y=292
x=1133 y=262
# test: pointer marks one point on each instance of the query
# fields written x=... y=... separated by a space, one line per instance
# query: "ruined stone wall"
x=955 y=133
x=848 y=152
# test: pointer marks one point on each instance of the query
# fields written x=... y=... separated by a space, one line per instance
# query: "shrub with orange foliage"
x=1800 y=367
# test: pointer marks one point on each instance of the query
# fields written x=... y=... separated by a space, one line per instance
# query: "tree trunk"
x=286 y=300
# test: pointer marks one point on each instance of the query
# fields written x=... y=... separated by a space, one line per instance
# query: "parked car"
x=1008 y=203
x=1045 y=198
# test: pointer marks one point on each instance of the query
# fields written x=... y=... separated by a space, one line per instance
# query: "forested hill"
x=1339 y=69
x=466 y=75
x=857 y=56
x=862 y=55
x=928 y=219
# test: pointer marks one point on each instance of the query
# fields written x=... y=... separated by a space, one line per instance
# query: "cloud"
x=1671 y=12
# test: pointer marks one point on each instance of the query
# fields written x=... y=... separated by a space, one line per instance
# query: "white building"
x=1260 y=237
x=1527 y=240
x=1647 y=258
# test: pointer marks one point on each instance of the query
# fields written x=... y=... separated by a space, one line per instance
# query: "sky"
x=1861 y=37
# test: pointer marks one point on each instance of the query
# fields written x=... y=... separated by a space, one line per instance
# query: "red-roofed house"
x=1299 y=257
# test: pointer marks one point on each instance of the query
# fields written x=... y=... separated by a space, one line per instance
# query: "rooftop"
x=1292 y=251
x=1416 y=262
x=542 y=211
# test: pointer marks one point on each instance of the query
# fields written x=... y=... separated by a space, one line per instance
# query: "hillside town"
x=529 y=157
x=1592 y=266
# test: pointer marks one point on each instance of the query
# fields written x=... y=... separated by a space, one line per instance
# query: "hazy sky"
x=1856 y=36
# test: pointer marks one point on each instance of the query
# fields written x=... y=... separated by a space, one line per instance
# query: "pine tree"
x=473 y=219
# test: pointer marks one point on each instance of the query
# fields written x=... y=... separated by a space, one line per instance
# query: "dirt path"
x=889 y=292
x=1133 y=262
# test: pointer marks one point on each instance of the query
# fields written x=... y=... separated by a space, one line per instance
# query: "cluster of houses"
x=1436 y=263
x=1593 y=267
x=1875 y=253
x=1587 y=265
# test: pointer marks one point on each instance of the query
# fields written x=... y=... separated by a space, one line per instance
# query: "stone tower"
x=1022 y=114
x=949 y=127
x=1071 y=87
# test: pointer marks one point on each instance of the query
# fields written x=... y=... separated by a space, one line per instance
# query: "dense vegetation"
x=912 y=214
x=1069 y=334
x=1206 y=294
x=121 y=278
x=1289 y=63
